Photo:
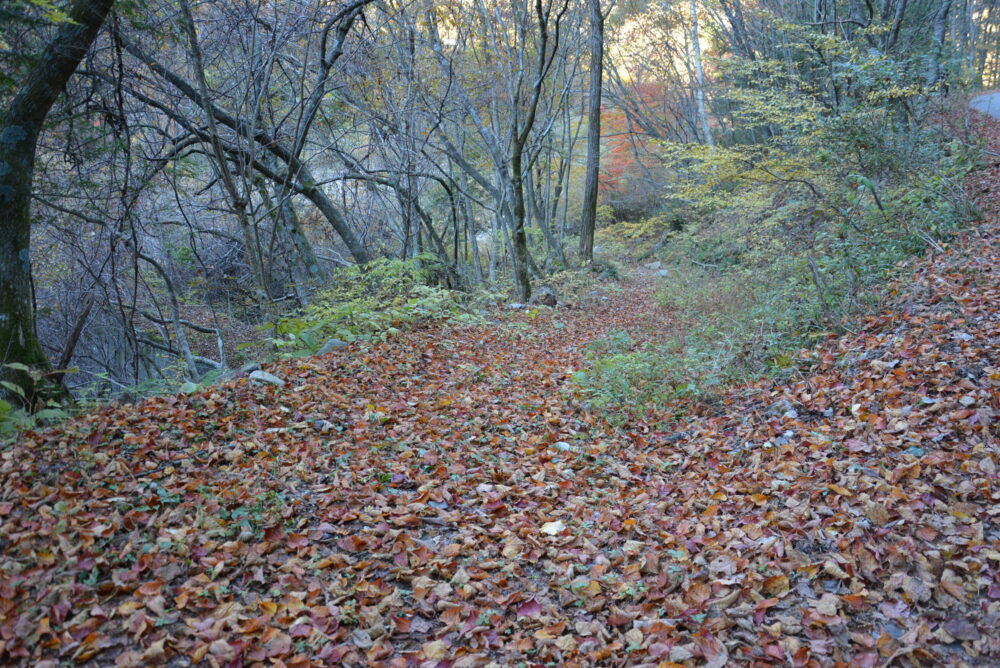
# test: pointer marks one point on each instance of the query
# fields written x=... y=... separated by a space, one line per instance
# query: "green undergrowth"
x=573 y=283
x=14 y=419
x=372 y=304
x=781 y=245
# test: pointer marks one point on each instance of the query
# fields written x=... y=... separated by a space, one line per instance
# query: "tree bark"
x=940 y=29
x=706 y=129
x=588 y=219
x=19 y=130
x=538 y=212
x=520 y=140
x=520 y=235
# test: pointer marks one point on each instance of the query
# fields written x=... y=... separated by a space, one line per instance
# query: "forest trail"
x=443 y=500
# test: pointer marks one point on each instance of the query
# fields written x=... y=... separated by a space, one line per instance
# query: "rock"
x=331 y=345
x=663 y=272
x=545 y=296
x=232 y=374
x=653 y=265
x=204 y=366
x=265 y=377
x=515 y=306
x=226 y=376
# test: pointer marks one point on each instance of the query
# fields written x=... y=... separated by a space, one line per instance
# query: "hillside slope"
x=441 y=500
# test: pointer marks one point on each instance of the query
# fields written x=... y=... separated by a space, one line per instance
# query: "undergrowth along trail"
x=443 y=497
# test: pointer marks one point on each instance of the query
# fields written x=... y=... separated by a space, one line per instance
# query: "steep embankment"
x=442 y=499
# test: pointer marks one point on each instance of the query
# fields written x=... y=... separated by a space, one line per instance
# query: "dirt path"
x=443 y=500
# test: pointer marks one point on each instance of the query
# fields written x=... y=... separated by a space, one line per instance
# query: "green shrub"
x=784 y=239
x=370 y=303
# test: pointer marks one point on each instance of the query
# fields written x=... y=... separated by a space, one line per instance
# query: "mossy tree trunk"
x=20 y=126
x=588 y=218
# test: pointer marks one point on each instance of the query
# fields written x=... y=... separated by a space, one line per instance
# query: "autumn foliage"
x=442 y=499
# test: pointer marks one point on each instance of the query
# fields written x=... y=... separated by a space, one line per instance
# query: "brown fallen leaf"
x=828 y=604
x=962 y=629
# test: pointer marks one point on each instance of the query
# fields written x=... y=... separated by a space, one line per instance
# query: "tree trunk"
x=22 y=122
x=520 y=236
x=473 y=233
x=298 y=177
x=940 y=29
x=588 y=219
x=897 y=22
x=700 y=74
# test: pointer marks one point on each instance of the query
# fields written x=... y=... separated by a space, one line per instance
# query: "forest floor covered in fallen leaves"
x=443 y=500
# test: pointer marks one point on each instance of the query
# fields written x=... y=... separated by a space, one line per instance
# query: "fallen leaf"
x=553 y=528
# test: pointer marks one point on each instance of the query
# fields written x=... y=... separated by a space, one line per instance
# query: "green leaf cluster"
x=790 y=225
x=370 y=303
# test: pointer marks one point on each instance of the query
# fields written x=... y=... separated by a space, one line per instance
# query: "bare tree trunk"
x=706 y=129
x=19 y=129
x=588 y=219
x=940 y=30
x=303 y=266
x=59 y=376
x=520 y=236
x=520 y=140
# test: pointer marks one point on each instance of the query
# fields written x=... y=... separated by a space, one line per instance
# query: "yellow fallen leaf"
x=776 y=585
x=553 y=528
x=830 y=567
x=512 y=548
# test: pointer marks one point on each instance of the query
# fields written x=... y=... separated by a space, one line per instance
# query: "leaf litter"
x=387 y=508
